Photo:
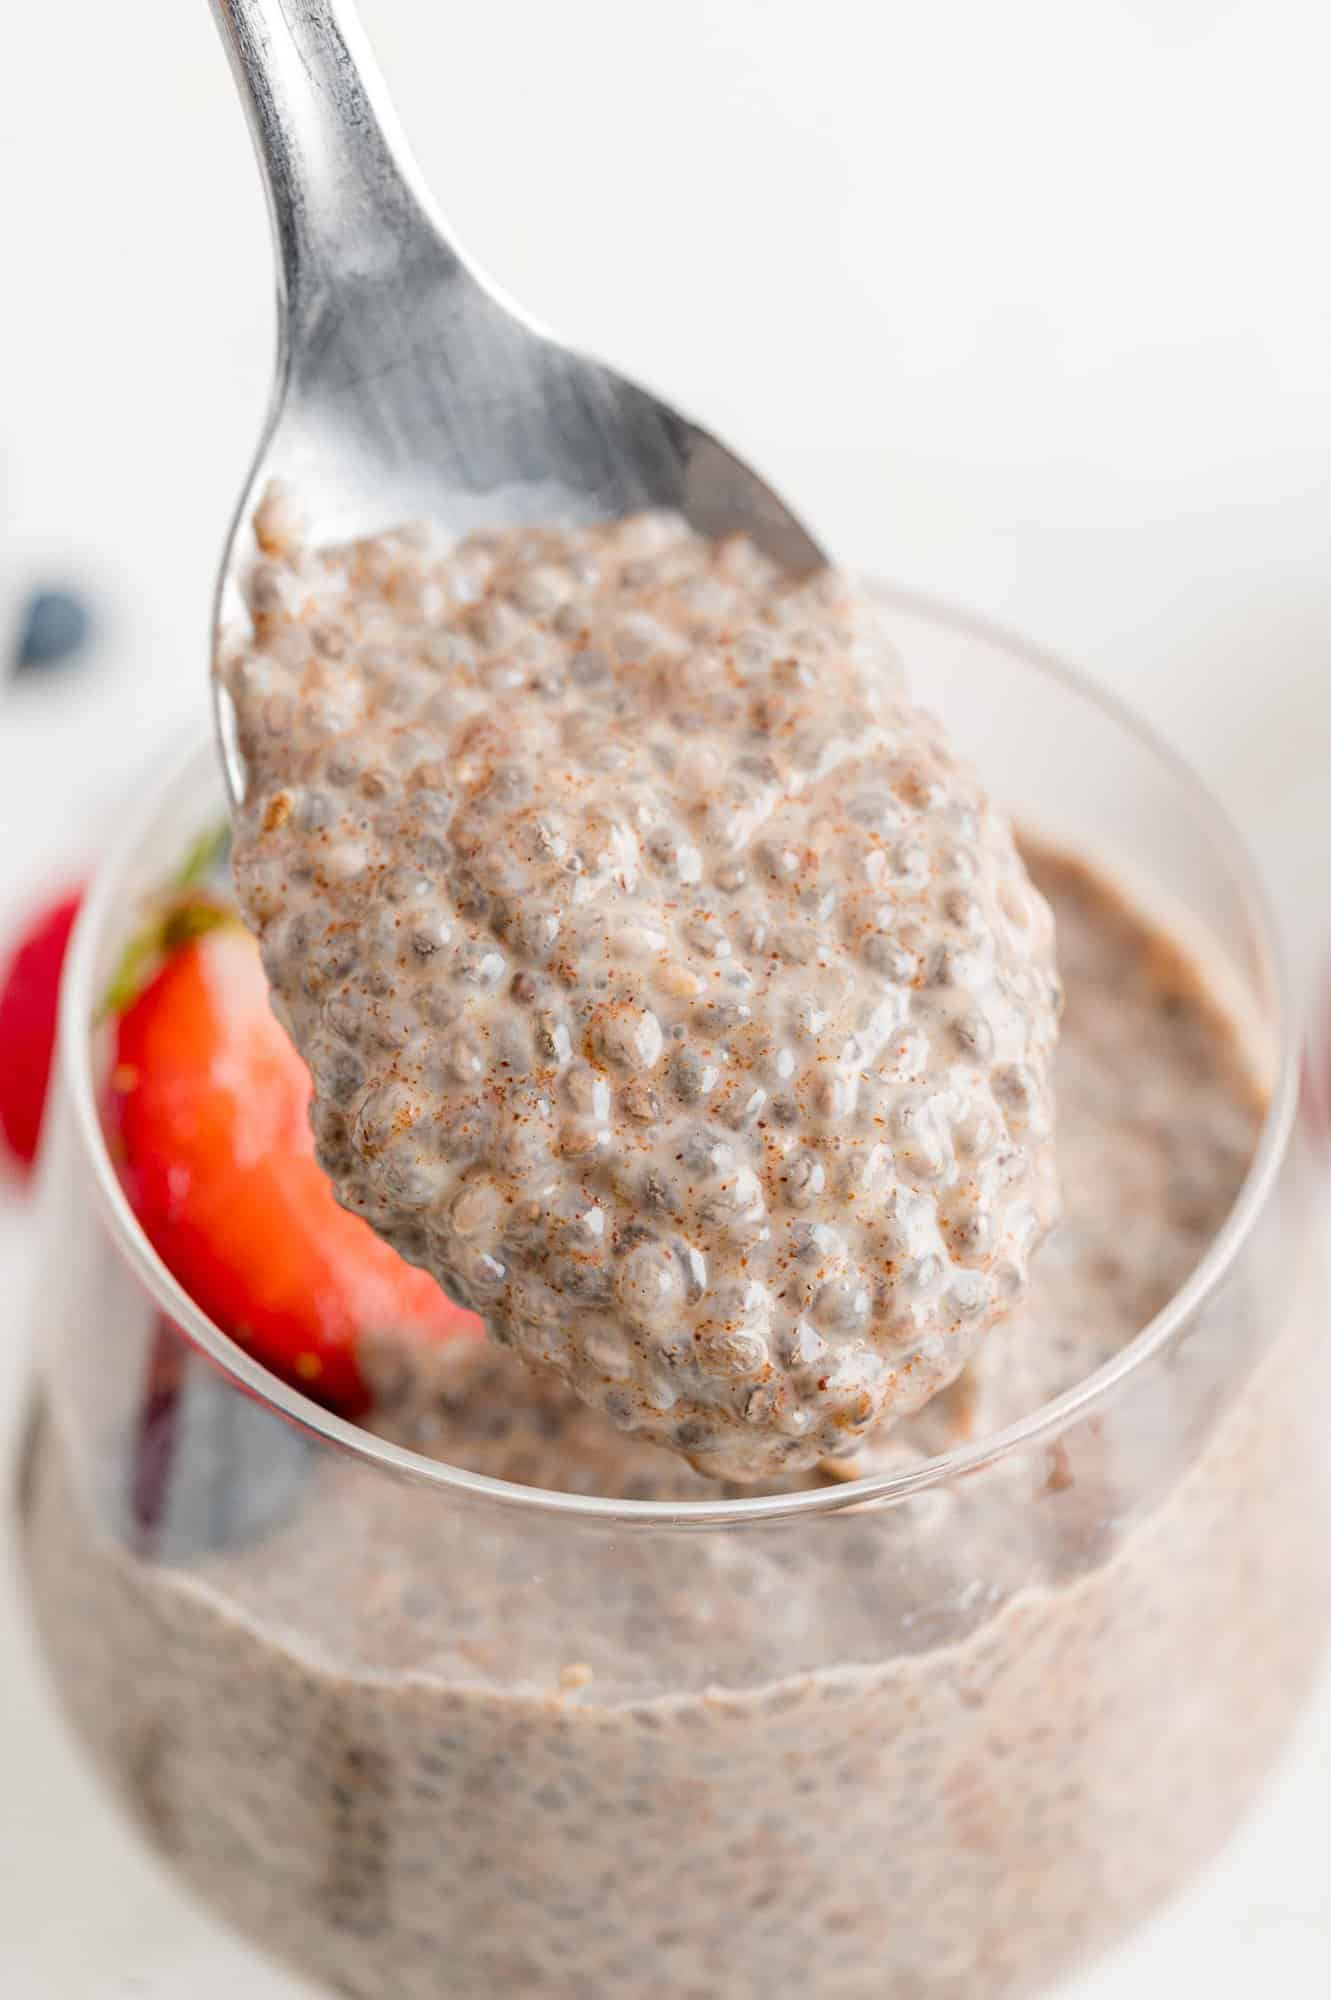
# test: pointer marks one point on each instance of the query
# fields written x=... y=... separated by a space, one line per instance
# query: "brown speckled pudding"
x=439 y=1749
x=671 y=989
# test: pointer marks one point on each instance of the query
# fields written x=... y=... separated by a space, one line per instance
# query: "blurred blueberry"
x=54 y=626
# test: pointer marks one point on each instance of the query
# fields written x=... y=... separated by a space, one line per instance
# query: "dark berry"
x=55 y=627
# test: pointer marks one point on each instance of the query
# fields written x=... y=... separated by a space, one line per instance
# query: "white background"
x=1028 y=306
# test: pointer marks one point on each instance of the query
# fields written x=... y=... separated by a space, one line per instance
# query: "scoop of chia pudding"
x=671 y=990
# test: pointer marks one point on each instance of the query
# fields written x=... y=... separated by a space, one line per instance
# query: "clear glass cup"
x=427 y=1734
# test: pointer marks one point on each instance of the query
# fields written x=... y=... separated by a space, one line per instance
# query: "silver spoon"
x=405 y=388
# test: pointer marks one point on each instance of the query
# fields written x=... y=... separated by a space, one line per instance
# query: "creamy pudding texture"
x=670 y=989
x=938 y=1752
x=1157 y=1115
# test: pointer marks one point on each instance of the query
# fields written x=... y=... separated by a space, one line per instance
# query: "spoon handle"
x=346 y=199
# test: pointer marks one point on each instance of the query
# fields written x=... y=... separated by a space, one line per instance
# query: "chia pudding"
x=671 y=990
x=431 y=1747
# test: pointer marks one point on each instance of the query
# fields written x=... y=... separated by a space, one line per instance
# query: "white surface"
x=1031 y=311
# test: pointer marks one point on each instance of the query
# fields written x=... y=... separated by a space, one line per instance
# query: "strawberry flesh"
x=29 y=993
x=209 y=1106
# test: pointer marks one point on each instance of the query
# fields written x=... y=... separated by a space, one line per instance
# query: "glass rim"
x=883 y=1489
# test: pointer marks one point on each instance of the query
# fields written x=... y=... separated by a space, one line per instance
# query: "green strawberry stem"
x=206 y=857
x=184 y=910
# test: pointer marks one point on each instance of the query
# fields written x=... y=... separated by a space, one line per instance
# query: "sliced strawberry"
x=209 y=1102
x=29 y=991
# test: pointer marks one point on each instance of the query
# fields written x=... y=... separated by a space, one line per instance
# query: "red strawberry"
x=29 y=990
x=209 y=1102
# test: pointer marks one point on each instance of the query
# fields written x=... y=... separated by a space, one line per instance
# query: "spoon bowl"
x=406 y=388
